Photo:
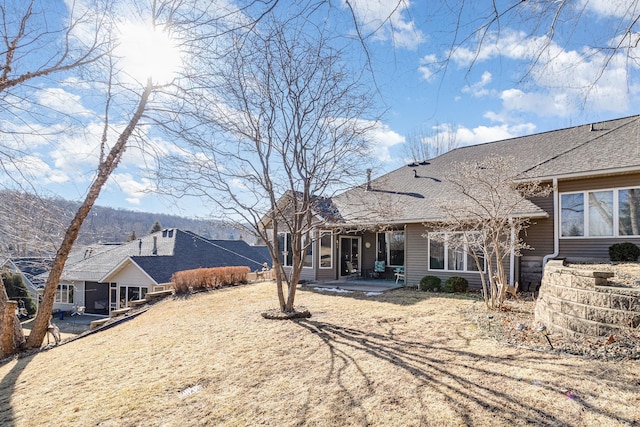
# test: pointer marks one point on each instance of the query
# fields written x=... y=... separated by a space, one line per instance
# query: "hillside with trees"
x=34 y=226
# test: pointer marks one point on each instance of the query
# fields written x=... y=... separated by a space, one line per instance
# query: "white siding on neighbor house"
x=78 y=297
x=132 y=275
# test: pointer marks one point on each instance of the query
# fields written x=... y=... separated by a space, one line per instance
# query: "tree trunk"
x=41 y=322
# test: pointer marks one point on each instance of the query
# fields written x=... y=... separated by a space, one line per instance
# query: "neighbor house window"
x=326 y=249
x=391 y=248
x=64 y=293
x=602 y=213
x=447 y=252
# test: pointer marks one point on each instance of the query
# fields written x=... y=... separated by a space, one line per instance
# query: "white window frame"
x=387 y=243
x=324 y=233
x=63 y=289
x=445 y=268
x=585 y=219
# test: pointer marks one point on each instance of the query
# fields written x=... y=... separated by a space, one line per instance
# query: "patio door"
x=349 y=255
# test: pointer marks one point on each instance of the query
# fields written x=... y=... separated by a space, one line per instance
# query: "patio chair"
x=399 y=272
x=352 y=270
x=378 y=268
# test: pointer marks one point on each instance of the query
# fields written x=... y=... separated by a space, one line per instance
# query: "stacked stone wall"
x=583 y=302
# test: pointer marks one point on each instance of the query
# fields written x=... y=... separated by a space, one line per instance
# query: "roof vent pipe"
x=368 y=180
x=592 y=128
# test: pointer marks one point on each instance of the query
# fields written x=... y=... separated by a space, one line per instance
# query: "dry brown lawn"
x=404 y=358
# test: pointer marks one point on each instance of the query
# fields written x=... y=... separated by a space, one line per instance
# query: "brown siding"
x=416 y=259
x=539 y=234
x=587 y=249
x=612 y=181
x=415 y=256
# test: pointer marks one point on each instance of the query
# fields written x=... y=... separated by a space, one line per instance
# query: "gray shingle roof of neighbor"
x=412 y=193
x=175 y=250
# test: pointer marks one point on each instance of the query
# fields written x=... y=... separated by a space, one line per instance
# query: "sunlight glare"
x=148 y=53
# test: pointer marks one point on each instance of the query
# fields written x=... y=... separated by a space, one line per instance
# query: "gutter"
x=556 y=226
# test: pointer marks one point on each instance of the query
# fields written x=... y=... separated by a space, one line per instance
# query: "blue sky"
x=486 y=93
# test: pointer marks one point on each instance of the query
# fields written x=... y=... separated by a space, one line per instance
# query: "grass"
x=403 y=358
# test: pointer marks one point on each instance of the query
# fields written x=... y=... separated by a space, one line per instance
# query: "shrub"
x=17 y=290
x=430 y=283
x=456 y=284
x=625 y=251
x=208 y=278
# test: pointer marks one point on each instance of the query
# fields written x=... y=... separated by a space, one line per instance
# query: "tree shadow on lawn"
x=448 y=376
x=7 y=388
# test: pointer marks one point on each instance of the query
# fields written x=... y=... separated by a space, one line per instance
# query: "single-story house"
x=594 y=170
x=102 y=278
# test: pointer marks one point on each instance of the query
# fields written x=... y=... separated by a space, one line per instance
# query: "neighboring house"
x=595 y=172
x=102 y=278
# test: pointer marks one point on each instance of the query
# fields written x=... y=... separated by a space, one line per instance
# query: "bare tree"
x=486 y=217
x=427 y=143
x=273 y=129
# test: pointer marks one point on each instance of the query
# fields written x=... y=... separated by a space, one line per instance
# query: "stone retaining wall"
x=583 y=302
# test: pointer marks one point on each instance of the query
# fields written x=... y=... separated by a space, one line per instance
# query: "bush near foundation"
x=430 y=283
x=456 y=284
x=625 y=251
x=208 y=278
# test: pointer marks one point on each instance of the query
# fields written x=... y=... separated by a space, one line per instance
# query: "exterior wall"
x=131 y=275
x=78 y=297
x=594 y=248
x=417 y=259
x=539 y=234
x=581 y=302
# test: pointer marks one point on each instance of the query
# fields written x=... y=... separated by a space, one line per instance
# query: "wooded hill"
x=33 y=226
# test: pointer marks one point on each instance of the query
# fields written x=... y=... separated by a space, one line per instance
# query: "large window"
x=602 y=213
x=326 y=249
x=447 y=252
x=286 y=252
x=391 y=248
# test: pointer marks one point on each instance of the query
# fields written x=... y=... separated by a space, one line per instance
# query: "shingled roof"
x=412 y=193
x=163 y=253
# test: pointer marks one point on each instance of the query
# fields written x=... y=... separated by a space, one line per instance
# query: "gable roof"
x=161 y=254
x=412 y=193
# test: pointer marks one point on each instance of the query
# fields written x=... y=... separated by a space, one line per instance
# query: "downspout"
x=512 y=255
x=556 y=225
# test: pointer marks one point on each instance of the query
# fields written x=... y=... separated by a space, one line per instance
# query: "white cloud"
x=62 y=101
x=478 y=89
x=382 y=138
x=615 y=8
x=133 y=187
x=428 y=66
x=387 y=20
x=464 y=136
x=34 y=169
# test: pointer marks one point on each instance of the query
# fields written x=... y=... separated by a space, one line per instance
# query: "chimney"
x=155 y=245
x=368 y=180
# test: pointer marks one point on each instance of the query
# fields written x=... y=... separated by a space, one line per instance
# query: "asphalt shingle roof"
x=175 y=250
x=412 y=193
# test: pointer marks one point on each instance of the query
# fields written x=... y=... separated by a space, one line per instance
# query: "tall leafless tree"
x=279 y=124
